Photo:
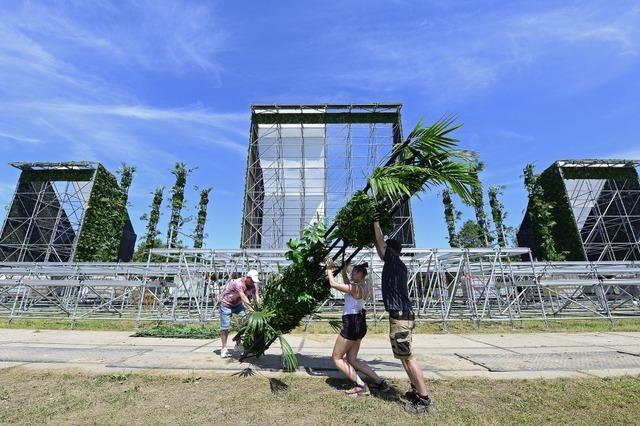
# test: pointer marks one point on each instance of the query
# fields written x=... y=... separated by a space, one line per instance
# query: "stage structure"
x=305 y=162
x=479 y=285
x=63 y=212
x=596 y=209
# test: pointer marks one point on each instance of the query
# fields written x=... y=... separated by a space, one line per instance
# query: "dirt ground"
x=71 y=397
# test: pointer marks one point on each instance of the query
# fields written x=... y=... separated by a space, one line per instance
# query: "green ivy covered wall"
x=565 y=232
x=99 y=239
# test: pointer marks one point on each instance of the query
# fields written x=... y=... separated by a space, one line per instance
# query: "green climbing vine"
x=451 y=216
x=154 y=217
x=497 y=213
x=199 y=234
x=478 y=206
x=181 y=173
x=105 y=216
x=151 y=239
x=540 y=213
x=126 y=177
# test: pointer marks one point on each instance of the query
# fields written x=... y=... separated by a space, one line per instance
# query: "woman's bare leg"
x=352 y=358
x=340 y=349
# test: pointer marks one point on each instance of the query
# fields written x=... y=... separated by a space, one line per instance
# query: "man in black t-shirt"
x=395 y=295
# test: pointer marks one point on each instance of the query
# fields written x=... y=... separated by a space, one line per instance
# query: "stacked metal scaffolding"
x=305 y=161
x=480 y=285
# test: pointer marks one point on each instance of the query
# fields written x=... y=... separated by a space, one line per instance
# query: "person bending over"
x=235 y=300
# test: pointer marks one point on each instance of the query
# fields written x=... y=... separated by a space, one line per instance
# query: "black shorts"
x=354 y=326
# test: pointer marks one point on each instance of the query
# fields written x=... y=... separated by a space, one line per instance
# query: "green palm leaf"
x=289 y=359
x=393 y=182
x=431 y=158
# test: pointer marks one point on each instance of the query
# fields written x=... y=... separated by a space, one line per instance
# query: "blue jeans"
x=225 y=315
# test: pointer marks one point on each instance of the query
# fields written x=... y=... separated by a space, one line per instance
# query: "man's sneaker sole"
x=417 y=409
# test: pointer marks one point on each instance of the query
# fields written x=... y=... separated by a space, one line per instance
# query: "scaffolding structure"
x=305 y=162
x=596 y=207
x=60 y=211
x=479 y=285
x=47 y=211
x=606 y=207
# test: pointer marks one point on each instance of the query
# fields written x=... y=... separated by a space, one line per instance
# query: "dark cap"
x=395 y=245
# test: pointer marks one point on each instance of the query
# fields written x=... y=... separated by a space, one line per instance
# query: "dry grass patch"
x=28 y=396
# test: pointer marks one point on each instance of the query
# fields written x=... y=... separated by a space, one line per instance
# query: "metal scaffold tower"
x=595 y=205
x=47 y=211
x=606 y=207
x=305 y=161
x=61 y=209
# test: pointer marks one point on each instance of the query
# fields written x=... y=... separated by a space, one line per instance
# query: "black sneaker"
x=419 y=406
x=381 y=386
x=411 y=394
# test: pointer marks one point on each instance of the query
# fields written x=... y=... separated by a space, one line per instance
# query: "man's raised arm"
x=379 y=241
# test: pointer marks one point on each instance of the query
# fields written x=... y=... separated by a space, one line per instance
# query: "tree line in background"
x=177 y=221
x=477 y=234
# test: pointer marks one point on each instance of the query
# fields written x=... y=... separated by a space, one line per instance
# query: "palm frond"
x=255 y=325
x=289 y=359
x=395 y=181
x=434 y=138
x=430 y=159
x=458 y=176
x=336 y=325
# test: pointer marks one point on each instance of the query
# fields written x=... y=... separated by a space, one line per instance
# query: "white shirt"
x=353 y=305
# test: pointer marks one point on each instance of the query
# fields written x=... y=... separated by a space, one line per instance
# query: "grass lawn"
x=56 y=397
x=323 y=327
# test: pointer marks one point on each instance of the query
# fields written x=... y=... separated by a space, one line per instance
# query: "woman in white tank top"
x=354 y=328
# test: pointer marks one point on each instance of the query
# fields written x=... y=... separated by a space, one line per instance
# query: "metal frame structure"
x=305 y=161
x=479 y=285
x=47 y=211
x=596 y=206
x=606 y=210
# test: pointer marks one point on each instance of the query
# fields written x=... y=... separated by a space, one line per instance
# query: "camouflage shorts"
x=400 y=336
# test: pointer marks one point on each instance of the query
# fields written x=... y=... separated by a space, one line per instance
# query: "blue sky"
x=154 y=82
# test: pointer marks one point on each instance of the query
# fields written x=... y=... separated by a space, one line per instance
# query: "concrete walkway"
x=498 y=356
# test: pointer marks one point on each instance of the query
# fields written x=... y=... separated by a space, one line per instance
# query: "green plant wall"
x=539 y=218
x=101 y=233
x=565 y=232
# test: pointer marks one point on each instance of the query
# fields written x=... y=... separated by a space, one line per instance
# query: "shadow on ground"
x=317 y=366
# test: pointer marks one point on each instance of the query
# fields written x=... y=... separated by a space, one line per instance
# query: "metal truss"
x=607 y=212
x=479 y=285
x=305 y=161
x=47 y=211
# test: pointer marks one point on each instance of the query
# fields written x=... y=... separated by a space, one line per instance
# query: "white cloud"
x=140 y=112
x=69 y=77
x=18 y=138
x=632 y=153
x=168 y=37
x=461 y=54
